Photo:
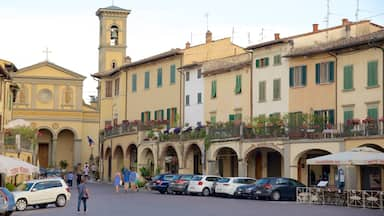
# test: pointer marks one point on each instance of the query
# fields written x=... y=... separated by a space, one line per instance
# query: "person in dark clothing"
x=83 y=195
x=79 y=173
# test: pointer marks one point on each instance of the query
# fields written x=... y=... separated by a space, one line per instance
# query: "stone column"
x=287 y=161
x=77 y=151
x=212 y=167
x=242 y=167
x=53 y=151
x=264 y=163
x=50 y=161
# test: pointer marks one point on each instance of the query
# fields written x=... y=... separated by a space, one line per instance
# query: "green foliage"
x=140 y=184
x=10 y=187
x=158 y=170
x=207 y=142
x=63 y=164
x=144 y=172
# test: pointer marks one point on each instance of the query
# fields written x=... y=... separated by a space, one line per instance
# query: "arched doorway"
x=193 y=160
x=227 y=162
x=264 y=162
x=171 y=161
x=374 y=146
x=108 y=164
x=147 y=160
x=371 y=175
x=311 y=175
x=44 y=152
x=131 y=155
x=118 y=157
x=65 y=148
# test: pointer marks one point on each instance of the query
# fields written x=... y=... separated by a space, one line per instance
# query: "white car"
x=41 y=193
x=202 y=184
x=227 y=186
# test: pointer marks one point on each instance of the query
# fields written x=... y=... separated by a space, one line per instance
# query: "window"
x=187 y=76
x=348 y=115
x=145 y=116
x=277 y=60
x=173 y=74
x=372 y=74
x=199 y=98
x=372 y=112
x=146 y=81
x=114 y=64
x=348 y=77
x=276 y=89
x=114 y=36
x=298 y=76
x=238 y=84
x=134 y=81
x=325 y=117
x=262 y=86
x=213 y=89
x=187 y=100
x=325 y=72
x=159 y=77
x=233 y=117
x=117 y=86
x=213 y=118
x=198 y=73
x=159 y=115
x=262 y=62
x=172 y=116
x=108 y=88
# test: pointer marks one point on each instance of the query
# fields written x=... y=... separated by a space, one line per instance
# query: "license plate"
x=258 y=192
x=191 y=187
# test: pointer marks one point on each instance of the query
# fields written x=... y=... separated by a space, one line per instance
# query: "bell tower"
x=113 y=38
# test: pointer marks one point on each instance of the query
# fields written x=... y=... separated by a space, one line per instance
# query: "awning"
x=12 y=166
x=356 y=156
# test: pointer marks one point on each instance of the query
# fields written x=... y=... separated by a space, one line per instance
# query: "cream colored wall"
x=360 y=96
x=313 y=96
x=213 y=50
x=357 y=142
x=226 y=101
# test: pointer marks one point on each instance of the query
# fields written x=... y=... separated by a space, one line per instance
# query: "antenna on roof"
x=357 y=10
x=262 y=34
x=207 y=17
x=327 y=18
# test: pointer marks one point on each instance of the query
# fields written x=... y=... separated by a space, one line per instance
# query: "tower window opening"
x=114 y=35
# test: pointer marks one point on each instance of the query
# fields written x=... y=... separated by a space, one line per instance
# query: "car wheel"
x=61 y=201
x=275 y=195
x=21 y=205
x=205 y=192
x=169 y=190
x=162 y=191
x=43 y=205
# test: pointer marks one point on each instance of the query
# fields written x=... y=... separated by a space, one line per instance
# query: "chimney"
x=277 y=36
x=208 y=37
x=187 y=45
x=315 y=27
x=345 y=21
x=128 y=60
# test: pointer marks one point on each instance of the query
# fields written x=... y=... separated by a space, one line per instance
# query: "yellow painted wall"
x=357 y=142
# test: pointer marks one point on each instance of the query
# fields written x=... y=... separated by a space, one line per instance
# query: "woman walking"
x=117 y=182
x=83 y=195
x=132 y=180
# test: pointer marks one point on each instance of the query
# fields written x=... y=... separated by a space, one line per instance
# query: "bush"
x=140 y=184
x=10 y=187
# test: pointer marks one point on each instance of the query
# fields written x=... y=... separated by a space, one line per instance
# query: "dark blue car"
x=7 y=202
x=161 y=182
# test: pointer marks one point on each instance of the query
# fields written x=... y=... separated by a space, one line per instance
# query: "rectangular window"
x=276 y=89
x=146 y=116
x=108 y=88
x=134 y=81
x=238 y=84
x=325 y=117
x=298 y=76
x=187 y=100
x=372 y=113
x=187 y=76
x=348 y=115
x=173 y=74
x=372 y=74
x=146 y=81
x=348 y=77
x=277 y=60
x=159 y=77
x=213 y=89
x=159 y=115
x=262 y=86
x=325 y=72
x=231 y=117
x=213 y=118
x=198 y=73
x=262 y=62
x=199 y=98
x=117 y=86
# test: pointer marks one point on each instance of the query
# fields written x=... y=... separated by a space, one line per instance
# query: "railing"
x=224 y=132
x=119 y=130
x=351 y=198
x=10 y=143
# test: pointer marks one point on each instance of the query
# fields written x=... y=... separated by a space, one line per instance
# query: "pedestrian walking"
x=93 y=170
x=70 y=178
x=83 y=195
x=126 y=175
x=78 y=173
x=132 y=180
x=86 y=170
x=117 y=181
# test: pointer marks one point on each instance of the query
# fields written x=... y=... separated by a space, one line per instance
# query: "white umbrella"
x=17 y=123
x=356 y=156
x=12 y=166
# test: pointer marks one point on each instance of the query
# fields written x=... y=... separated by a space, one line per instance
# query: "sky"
x=70 y=28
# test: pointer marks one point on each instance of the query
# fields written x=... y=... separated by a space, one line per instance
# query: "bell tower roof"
x=113 y=8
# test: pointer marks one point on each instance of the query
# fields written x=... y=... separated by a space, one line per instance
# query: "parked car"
x=246 y=191
x=227 y=186
x=7 y=202
x=180 y=185
x=161 y=182
x=41 y=193
x=202 y=184
x=276 y=188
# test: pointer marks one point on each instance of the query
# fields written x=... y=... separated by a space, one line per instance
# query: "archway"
x=371 y=175
x=131 y=155
x=311 y=175
x=171 y=161
x=374 y=146
x=108 y=164
x=147 y=160
x=193 y=160
x=118 y=157
x=227 y=161
x=264 y=162
x=65 y=147
x=44 y=152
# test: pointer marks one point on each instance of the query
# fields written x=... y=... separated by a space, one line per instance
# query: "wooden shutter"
x=331 y=71
x=372 y=73
x=372 y=113
x=317 y=73
x=146 y=81
x=266 y=60
x=231 y=117
x=348 y=115
x=276 y=89
x=257 y=63
x=134 y=80
x=173 y=74
x=159 y=77
x=291 y=76
x=304 y=75
x=331 y=117
x=348 y=77
x=142 y=116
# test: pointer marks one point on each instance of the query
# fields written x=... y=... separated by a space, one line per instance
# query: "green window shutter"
x=262 y=91
x=257 y=63
x=175 y=115
x=304 y=75
x=156 y=115
x=134 y=81
x=213 y=119
x=372 y=73
x=187 y=100
x=276 y=89
x=348 y=115
x=331 y=71
x=168 y=114
x=162 y=114
x=213 y=89
x=266 y=60
x=159 y=77
x=238 y=84
x=372 y=113
x=142 y=116
x=173 y=74
x=348 y=77
x=149 y=116
x=231 y=117
x=331 y=117
x=317 y=73
x=199 y=98
x=146 y=81
x=291 y=76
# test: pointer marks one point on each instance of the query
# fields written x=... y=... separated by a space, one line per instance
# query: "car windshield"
x=24 y=187
x=156 y=177
x=186 y=177
x=197 y=178
x=223 y=180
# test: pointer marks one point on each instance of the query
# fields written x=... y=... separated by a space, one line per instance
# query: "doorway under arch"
x=193 y=160
x=264 y=162
x=65 y=147
x=311 y=175
x=227 y=162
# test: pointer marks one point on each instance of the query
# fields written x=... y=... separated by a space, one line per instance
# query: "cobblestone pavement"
x=104 y=201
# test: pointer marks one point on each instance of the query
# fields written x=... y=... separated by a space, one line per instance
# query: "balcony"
x=10 y=144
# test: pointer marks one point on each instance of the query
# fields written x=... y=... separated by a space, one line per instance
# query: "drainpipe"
x=181 y=94
x=251 y=88
x=126 y=94
x=335 y=77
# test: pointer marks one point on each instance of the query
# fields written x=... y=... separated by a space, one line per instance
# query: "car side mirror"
x=33 y=190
